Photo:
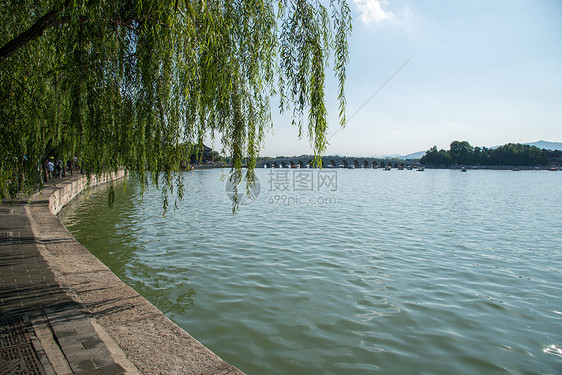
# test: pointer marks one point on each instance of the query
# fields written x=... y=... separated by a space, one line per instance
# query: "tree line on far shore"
x=516 y=154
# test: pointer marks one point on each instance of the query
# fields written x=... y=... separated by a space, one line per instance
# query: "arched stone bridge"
x=334 y=162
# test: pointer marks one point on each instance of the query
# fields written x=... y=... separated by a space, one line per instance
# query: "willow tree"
x=127 y=83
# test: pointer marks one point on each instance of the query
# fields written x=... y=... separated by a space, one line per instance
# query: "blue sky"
x=489 y=72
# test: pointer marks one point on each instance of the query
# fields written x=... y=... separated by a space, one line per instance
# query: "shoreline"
x=133 y=328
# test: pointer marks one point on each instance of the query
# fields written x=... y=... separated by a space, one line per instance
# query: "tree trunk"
x=36 y=30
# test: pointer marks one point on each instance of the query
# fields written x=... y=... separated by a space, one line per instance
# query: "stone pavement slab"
x=88 y=321
x=29 y=292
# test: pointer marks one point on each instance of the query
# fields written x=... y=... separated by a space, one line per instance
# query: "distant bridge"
x=334 y=162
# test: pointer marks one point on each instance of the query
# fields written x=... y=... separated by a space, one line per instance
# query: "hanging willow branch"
x=136 y=83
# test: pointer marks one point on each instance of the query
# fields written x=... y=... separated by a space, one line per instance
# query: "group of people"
x=57 y=168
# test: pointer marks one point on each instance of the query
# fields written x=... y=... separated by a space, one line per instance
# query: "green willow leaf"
x=133 y=83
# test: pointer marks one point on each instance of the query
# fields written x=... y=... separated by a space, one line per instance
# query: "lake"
x=339 y=271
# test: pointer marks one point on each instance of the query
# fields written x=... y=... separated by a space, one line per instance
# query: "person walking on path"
x=50 y=169
x=59 y=167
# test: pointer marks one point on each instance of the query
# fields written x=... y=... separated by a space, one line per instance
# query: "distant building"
x=201 y=156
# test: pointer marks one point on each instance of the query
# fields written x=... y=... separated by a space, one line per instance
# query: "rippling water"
x=397 y=272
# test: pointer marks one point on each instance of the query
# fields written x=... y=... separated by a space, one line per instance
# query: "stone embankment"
x=86 y=320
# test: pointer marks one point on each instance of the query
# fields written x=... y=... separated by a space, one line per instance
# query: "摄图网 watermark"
x=286 y=187
x=288 y=200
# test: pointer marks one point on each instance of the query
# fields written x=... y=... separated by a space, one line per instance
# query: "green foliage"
x=436 y=157
x=126 y=83
x=462 y=153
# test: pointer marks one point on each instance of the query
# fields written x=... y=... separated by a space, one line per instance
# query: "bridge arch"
x=374 y=164
x=344 y=163
x=355 y=164
x=333 y=163
x=301 y=164
x=283 y=164
x=275 y=165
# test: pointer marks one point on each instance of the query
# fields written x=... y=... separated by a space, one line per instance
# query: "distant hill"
x=387 y=156
x=546 y=144
x=415 y=155
x=540 y=144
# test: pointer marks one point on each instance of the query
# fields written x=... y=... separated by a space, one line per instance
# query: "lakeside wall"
x=149 y=340
x=68 y=190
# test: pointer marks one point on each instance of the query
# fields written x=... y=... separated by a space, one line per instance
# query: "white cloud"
x=371 y=11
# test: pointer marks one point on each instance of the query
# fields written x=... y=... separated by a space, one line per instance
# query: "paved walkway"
x=42 y=329
x=64 y=312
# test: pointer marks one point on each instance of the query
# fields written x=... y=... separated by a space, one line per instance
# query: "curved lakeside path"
x=64 y=312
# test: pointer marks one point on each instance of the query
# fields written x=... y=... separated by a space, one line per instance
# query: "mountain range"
x=546 y=144
x=416 y=155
